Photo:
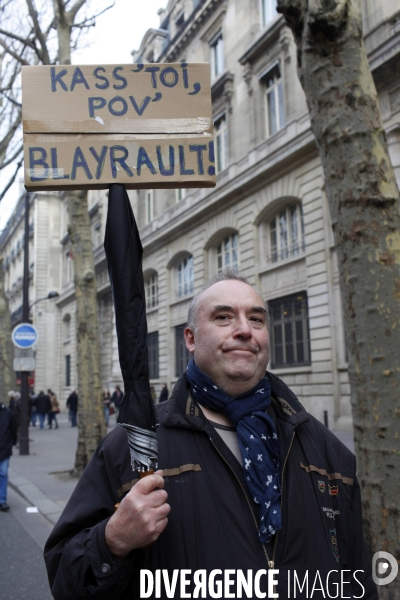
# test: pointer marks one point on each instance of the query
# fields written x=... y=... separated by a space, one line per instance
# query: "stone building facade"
x=268 y=215
x=44 y=276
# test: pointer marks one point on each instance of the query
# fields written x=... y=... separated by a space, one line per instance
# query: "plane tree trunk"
x=34 y=45
x=91 y=422
x=364 y=205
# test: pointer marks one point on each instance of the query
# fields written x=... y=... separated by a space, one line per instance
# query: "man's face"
x=231 y=341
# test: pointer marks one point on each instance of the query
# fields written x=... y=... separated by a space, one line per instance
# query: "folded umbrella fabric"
x=124 y=253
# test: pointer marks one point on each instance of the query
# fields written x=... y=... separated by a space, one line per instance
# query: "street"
x=39 y=480
x=22 y=570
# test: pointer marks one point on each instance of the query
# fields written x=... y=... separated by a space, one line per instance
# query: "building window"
x=96 y=236
x=180 y=194
x=286 y=233
x=150 y=57
x=185 y=277
x=179 y=20
x=149 y=206
x=268 y=11
x=151 y=286
x=217 y=56
x=152 y=345
x=67 y=328
x=67 y=370
x=274 y=100
x=68 y=266
x=182 y=354
x=227 y=253
x=289 y=331
x=221 y=143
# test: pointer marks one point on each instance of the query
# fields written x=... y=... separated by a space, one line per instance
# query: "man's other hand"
x=140 y=518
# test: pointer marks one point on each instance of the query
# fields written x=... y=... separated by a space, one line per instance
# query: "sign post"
x=24 y=336
x=145 y=126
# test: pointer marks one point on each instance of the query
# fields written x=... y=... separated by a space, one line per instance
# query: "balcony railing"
x=289 y=251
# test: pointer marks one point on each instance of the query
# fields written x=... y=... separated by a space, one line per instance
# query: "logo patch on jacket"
x=334 y=544
x=333 y=490
x=321 y=486
x=330 y=512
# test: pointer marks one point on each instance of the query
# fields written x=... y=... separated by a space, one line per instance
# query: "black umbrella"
x=124 y=252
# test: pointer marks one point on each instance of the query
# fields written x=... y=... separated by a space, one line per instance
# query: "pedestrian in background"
x=72 y=405
x=153 y=394
x=117 y=400
x=164 y=393
x=8 y=439
x=54 y=409
x=32 y=408
x=11 y=400
x=43 y=407
x=106 y=403
x=15 y=406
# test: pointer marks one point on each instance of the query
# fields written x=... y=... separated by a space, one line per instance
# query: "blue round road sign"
x=24 y=336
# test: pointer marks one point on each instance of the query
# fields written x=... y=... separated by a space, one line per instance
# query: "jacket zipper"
x=271 y=566
x=271 y=563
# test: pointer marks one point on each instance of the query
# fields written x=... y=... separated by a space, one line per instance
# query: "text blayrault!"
x=145 y=126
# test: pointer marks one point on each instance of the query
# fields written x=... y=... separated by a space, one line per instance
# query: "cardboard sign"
x=146 y=126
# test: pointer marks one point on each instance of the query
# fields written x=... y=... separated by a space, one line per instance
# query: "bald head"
x=227 y=274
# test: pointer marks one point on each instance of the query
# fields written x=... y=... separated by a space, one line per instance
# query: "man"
x=253 y=482
x=32 y=408
x=54 y=409
x=116 y=399
x=43 y=407
x=8 y=439
x=72 y=406
x=163 y=393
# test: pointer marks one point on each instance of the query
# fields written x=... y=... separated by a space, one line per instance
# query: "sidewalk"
x=42 y=477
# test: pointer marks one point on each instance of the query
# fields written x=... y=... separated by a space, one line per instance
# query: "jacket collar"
x=182 y=410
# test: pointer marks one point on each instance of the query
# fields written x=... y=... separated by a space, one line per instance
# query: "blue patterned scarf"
x=258 y=441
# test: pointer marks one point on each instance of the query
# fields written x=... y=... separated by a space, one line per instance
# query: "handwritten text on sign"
x=89 y=126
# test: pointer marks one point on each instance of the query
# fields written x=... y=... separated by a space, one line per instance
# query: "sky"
x=117 y=32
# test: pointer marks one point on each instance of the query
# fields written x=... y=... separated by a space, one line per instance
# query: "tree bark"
x=92 y=426
x=91 y=415
x=7 y=375
x=91 y=423
x=364 y=204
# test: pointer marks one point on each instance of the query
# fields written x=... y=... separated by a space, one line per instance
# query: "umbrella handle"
x=141 y=475
x=145 y=473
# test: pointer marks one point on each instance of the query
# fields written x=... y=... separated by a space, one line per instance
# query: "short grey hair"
x=226 y=274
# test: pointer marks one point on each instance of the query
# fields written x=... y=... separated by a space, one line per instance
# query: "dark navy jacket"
x=8 y=432
x=213 y=522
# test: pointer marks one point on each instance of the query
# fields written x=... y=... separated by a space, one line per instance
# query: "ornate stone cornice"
x=191 y=26
x=224 y=86
x=262 y=40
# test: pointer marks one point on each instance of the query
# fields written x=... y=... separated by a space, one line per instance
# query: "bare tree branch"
x=59 y=10
x=10 y=134
x=12 y=179
x=17 y=57
x=73 y=11
x=45 y=58
x=90 y=21
x=12 y=78
x=85 y=23
x=12 y=158
x=18 y=104
x=24 y=41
